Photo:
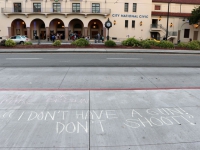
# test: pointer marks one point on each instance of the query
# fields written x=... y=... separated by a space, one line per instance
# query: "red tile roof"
x=179 y=1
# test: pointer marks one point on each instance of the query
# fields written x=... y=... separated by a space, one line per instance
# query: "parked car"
x=2 y=41
x=25 y=36
x=19 y=39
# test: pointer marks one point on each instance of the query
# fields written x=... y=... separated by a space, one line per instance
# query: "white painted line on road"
x=23 y=58
x=127 y=58
x=65 y=61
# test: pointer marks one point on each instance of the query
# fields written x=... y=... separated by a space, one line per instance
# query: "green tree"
x=195 y=16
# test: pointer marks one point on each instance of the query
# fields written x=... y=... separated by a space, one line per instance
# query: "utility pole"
x=168 y=19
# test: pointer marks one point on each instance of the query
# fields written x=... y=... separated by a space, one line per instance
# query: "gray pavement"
x=134 y=119
x=97 y=50
x=98 y=77
x=98 y=60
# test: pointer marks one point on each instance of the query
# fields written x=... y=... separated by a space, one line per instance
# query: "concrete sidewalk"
x=118 y=120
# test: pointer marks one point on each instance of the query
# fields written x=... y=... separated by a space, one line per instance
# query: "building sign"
x=129 y=16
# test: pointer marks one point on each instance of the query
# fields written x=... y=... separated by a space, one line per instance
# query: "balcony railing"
x=51 y=11
x=157 y=27
x=172 y=33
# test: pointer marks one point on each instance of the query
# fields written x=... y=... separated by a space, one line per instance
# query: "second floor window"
x=126 y=7
x=157 y=7
x=95 y=7
x=17 y=7
x=126 y=23
x=76 y=7
x=56 y=7
x=36 y=7
x=134 y=7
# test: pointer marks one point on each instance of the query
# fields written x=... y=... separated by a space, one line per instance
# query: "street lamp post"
x=108 y=25
x=108 y=35
x=168 y=19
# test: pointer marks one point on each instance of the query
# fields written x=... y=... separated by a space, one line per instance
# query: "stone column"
x=104 y=32
x=66 y=34
x=85 y=33
x=28 y=32
x=9 y=32
x=47 y=33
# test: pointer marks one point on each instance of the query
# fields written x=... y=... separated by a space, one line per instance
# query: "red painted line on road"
x=99 y=89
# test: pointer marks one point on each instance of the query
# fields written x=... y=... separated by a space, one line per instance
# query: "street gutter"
x=62 y=50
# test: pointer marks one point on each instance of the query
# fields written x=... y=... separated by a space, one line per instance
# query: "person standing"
x=98 y=37
x=53 y=38
x=102 y=38
x=57 y=36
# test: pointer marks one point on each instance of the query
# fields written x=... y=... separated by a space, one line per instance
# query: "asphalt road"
x=99 y=60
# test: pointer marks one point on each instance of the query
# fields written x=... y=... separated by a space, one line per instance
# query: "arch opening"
x=37 y=29
x=57 y=28
x=18 y=27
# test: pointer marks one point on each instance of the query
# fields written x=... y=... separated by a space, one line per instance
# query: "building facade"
x=141 y=19
x=178 y=26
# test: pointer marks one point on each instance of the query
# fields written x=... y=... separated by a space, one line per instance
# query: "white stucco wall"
x=143 y=14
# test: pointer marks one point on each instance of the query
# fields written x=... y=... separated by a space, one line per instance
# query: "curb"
x=99 y=51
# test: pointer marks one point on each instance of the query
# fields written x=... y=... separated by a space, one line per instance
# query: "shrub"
x=10 y=43
x=131 y=42
x=110 y=43
x=146 y=44
x=3 y=43
x=153 y=43
x=182 y=45
x=80 y=42
x=28 y=43
x=57 y=43
x=166 y=44
x=194 y=45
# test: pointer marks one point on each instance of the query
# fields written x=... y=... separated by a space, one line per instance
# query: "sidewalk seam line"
x=63 y=78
